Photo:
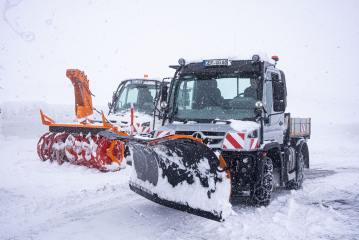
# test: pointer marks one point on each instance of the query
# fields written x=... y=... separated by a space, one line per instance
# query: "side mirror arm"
x=272 y=114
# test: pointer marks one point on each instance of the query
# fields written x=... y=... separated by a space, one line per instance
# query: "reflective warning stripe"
x=239 y=141
x=145 y=130
x=235 y=144
x=234 y=141
x=137 y=128
x=160 y=134
x=254 y=143
x=133 y=129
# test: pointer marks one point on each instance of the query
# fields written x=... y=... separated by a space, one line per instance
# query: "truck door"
x=274 y=126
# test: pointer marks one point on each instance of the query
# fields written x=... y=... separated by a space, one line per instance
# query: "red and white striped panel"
x=137 y=128
x=134 y=128
x=253 y=143
x=160 y=134
x=239 y=141
x=146 y=129
x=234 y=141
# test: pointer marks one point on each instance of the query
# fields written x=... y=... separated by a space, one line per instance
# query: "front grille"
x=215 y=141
x=212 y=139
x=206 y=133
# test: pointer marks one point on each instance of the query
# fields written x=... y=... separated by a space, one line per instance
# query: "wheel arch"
x=274 y=152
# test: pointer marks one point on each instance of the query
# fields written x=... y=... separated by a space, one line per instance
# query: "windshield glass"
x=219 y=97
x=140 y=95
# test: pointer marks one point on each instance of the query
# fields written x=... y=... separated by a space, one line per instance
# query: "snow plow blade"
x=183 y=174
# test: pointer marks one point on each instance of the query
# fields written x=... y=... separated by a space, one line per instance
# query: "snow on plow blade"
x=181 y=174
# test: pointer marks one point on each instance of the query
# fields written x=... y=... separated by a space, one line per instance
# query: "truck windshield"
x=216 y=97
x=140 y=95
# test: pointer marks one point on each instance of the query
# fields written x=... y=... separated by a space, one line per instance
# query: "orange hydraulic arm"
x=83 y=99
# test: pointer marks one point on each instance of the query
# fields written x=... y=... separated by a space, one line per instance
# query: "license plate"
x=216 y=62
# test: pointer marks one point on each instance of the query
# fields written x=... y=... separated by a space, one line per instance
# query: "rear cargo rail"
x=299 y=127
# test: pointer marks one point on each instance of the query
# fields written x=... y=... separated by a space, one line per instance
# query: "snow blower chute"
x=79 y=143
x=181 y=172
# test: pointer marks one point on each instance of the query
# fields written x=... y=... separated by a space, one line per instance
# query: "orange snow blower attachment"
x=80 y=143
x=83 y=99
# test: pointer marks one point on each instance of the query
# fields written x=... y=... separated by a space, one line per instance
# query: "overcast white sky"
x=317 y=42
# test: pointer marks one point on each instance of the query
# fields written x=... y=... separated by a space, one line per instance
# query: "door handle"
x=280 y=123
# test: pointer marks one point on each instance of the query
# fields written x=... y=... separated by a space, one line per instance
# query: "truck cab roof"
x=212 y=66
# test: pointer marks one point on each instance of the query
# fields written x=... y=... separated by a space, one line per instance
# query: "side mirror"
x=109 y=105
x=279 y=97
x=275 y=77
x=164 y=93
x=279 y=106
x=279 y=94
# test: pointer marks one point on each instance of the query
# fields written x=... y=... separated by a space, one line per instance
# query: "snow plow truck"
x=133 y=106
x=130 y=113
x=225 y=135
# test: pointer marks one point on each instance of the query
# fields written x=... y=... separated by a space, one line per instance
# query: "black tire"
x=261 y=190
x=297 y=182
x=128 y=153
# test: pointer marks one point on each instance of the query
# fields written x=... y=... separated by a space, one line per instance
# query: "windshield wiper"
x=218 y=120
x=180 y=120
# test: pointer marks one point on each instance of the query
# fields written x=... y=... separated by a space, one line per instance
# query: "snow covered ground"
x=40 y=200
x=317 y=42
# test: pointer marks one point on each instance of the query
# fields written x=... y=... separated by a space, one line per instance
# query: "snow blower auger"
x=180 y=172
x=79 y=143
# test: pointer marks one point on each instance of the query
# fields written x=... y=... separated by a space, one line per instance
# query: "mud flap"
x=181 y=174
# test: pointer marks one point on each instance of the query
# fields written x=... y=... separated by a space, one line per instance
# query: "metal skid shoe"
x=180 y=173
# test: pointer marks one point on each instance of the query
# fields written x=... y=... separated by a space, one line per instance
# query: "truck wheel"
x=297 y=182
x=262 y=189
